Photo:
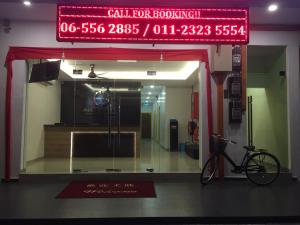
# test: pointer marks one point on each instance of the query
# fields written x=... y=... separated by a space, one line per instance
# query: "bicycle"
x=260 y=167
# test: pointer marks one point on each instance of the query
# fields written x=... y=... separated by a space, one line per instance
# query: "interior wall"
x=178 y=106
x=154 y=124
x=203 y=115
x=277 y=95
x=162 y=110
x=43 y=107
x=18 y=96
x=269 y=91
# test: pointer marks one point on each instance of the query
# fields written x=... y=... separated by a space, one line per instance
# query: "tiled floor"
x=177 y=202
x=153 y=156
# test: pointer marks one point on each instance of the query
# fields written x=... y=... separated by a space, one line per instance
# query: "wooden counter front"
x=58 y=138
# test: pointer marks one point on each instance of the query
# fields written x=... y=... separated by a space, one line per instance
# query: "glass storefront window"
x=113 y=117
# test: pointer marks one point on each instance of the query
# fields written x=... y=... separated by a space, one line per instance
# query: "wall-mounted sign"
x=151 y=73
x=152 y=25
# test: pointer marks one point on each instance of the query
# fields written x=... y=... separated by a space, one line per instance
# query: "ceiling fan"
x=92 y=74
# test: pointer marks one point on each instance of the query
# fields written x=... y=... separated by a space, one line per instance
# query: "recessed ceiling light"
x=163 y=93
x=27 y=3
x=272 y=7
x=149 y=93
x=151 y=86
x=148 y=97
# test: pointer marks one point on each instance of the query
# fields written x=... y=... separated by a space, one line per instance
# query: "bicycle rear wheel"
x=262 y=168
x=209 y=170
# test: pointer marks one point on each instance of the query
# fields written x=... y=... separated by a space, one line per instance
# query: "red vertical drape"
x=24 y=53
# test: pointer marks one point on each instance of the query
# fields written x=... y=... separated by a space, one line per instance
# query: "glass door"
x=139 y=127
x=124 y=124
x=93 y=135
x=128 y=130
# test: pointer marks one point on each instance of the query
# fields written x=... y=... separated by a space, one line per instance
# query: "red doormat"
x=109 y=189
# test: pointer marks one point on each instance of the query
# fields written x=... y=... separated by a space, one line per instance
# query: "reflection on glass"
x=104 y=125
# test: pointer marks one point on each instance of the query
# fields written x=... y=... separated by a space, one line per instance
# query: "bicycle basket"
x=218 y=144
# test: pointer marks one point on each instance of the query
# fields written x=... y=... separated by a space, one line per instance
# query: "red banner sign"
x=152 y=25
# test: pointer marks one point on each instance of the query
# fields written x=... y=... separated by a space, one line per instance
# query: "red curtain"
x=19 y=53
x=24 y=53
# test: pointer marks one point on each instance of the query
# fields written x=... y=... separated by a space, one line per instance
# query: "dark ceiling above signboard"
x=175 y=3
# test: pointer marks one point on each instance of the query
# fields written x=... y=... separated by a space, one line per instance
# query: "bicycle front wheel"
x=262 y=168
x=209 y=170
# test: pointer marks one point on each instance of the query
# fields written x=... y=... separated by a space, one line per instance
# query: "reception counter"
x=91 y=141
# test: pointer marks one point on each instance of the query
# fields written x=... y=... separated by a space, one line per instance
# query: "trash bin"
x=173 y=135
x=182 y=147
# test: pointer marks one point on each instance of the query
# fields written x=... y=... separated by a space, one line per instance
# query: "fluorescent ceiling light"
x=127 y=61
x=27 y=3
x=149 y=93
x=151 y=86
x=148 y=97
x=272 y=7
x=163 y=93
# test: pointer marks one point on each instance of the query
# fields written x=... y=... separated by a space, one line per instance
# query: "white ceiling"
x=139 y=66
x=265 y=54
x=113 y=65
x=288 y=13
x=165 y=70
x=152 y=89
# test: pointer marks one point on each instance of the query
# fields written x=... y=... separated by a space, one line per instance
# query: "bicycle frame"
x=237 y=168
x=255 y=168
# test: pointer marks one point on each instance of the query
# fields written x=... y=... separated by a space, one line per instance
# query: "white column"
x=203 y=122
x=18 y=98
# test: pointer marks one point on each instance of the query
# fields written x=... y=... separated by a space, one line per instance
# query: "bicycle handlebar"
x=224 y=139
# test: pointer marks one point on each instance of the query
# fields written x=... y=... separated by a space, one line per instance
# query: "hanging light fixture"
x=92 y=74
